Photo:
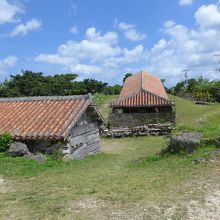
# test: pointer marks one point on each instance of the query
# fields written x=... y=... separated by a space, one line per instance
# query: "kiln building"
x=142 y=101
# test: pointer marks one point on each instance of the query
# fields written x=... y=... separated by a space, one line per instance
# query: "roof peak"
x=45 y=98
x=143 y=81
x=144 y=72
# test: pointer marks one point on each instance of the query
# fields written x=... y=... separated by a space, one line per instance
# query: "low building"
x=143 y=101
x=48 y=123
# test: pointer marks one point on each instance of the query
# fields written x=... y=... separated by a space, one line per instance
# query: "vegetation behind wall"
x=200 y=89
x=5 y=141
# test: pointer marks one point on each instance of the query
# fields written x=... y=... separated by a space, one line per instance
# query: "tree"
x=198 y=88
x=126 y=76
x=179 y=88
x=215 y=91
x=27 y=83
x=113 y=90
x=62 y=84
x=30 y=83
x=92 y=86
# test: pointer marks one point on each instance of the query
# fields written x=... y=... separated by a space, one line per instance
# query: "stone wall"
x=45 y=147
x=129 y=120
x=150 y=129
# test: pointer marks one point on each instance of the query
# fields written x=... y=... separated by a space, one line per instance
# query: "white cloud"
x=208 y=16
x=55 y=59
x=131 y=56
x=130 y=31
x=24 y=29
x=8 y=62
x=161 y=45
x=185 y=2
x=187 y=48
x=74 y=29
x=5 y=64
x=95 y=47
x=86 y=69
x=9 y=10
x=96 y=54
x=133 y=35
x=179 y=48
x=123 y=26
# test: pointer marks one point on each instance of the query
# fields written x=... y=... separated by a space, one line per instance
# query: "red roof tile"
x=141 y=99
x=41 y=117
x=142 y=89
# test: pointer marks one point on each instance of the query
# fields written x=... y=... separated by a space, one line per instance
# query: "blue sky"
x=104 y=39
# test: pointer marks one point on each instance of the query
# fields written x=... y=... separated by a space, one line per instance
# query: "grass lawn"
x=127 y=181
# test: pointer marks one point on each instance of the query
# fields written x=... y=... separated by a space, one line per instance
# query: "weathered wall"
x=83 y=139
x=129 y=120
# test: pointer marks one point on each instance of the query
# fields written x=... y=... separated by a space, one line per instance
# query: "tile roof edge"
x=76 y=118
x=123 y=98
x=45 y=98
x=113 y=104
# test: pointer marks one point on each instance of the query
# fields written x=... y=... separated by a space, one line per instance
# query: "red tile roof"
x=49 y=118
x=141 y=99
x=142 y=89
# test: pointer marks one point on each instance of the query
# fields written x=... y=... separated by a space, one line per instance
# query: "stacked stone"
x=150 y=129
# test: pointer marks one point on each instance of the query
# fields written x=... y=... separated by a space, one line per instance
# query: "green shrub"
x=5 y=141
x=57 y=154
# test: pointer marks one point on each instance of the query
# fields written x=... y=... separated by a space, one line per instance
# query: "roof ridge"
x=151 y=74
x=142 y=87
x=45 y=98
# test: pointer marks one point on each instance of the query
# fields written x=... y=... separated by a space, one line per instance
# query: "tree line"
x=200 y=88
x=29 y=83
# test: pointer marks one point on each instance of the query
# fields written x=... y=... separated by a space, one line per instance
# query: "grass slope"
x=190 y=115
x=102 y=101
x=126 y=181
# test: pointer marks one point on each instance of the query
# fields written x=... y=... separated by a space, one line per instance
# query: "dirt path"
x=208 y=210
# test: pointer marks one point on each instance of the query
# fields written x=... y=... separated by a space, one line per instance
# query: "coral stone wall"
x=129 y=120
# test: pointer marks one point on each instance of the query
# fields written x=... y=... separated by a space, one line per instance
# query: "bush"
x=6 y=140
x=57 y=153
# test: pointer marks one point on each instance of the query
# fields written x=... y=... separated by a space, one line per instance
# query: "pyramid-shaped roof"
x=142 y=89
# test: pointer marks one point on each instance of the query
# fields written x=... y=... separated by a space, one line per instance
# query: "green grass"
x=102 y=101
x=201 y=118
x=128 y=178
x=191 y=116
